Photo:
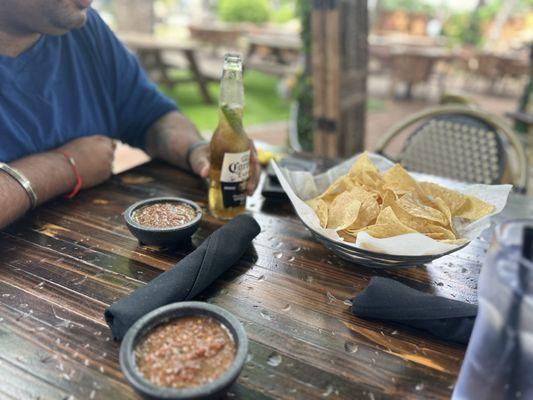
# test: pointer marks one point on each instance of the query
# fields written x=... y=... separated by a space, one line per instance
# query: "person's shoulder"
x=95 y=25
x=95 y=37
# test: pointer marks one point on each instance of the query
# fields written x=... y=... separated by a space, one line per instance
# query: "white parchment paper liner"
x=301 y=186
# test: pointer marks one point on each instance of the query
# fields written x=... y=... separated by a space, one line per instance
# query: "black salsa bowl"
x=162 y=236
x=168 y=313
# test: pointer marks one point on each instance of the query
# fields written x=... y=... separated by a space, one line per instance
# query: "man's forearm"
x=49 y=174
x=170 y=137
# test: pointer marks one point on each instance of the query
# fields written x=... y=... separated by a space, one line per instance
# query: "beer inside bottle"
x=230 y=147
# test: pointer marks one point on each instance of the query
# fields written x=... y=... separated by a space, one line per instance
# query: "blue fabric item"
x=79 y=84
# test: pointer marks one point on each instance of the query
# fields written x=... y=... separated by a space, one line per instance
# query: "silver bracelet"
x=23 y=181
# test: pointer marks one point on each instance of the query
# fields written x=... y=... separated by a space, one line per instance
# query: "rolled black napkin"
x=187 y=278
x=387 y=299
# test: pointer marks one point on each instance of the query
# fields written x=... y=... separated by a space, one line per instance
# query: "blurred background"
x=408 y=54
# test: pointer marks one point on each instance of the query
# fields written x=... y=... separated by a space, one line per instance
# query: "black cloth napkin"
x=187 y=278
x=389 y=300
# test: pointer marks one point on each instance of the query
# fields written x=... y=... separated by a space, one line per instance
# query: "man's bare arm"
x=169 y=138
x=51 y=175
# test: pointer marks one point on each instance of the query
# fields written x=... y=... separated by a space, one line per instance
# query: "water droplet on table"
x=291 y=259
x=330 y=297
x=296 y=249
x=351 y=347
x=266 y=315
x=274 y=360
x=347 y=302
x=419 y=387
x=278 y=255
x=328 y=391
x=287 y=307
x=261 y=278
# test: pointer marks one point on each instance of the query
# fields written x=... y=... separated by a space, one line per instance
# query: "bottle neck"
x=231 y=88
x=230 y=119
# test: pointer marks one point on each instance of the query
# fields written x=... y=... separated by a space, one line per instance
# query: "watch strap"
x=191 y=148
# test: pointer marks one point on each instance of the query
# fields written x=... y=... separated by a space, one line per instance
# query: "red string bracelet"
x=77 y=175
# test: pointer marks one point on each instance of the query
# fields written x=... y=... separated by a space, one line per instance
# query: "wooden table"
x=414 y=66
x=282 y=51
x=151 y=50
x=64 y=263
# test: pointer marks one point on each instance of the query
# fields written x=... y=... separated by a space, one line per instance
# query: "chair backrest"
x=461 y=143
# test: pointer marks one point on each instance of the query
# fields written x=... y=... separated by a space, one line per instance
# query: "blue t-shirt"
x=79 y=84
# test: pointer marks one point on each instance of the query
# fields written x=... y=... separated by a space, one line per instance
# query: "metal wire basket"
x=373 y=259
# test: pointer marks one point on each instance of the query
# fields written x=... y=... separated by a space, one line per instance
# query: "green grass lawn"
x=263 y=104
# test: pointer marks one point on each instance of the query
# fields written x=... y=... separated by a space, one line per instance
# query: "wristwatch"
x=23 y=181
x=190 y=149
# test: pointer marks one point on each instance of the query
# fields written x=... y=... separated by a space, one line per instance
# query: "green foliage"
x=303 y=90
x=418 y=6
x=257 y=11
x=263 y=104
x=284 y=14
x=303 y=93
x=467 y=27
x=459 y=29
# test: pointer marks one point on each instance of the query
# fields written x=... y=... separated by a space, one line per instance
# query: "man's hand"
x=51 y=175
x=93 y=156
x=171 y=135
x=199 y=161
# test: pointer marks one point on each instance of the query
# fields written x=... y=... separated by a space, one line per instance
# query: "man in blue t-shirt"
x=68 y=87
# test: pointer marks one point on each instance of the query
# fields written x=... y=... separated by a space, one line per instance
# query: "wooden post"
x=339 y=54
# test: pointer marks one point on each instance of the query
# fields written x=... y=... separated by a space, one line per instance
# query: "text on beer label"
x=235 y=167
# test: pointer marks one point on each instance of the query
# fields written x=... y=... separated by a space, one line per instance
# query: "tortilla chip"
x=398 y=179
x=474 y=209
x=320 y=207
x=388 y=198
x=438 y=232
x=369 y=208
x=339 y=186
x=343 y=211
x=387 y=230
x=454 y=200
x=362 y=165
x=412 y=204
x=443 y=207
x=347 y=236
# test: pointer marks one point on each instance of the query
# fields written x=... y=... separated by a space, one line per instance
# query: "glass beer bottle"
x=230 y=147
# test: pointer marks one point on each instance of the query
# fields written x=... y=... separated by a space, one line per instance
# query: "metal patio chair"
x=462 y=143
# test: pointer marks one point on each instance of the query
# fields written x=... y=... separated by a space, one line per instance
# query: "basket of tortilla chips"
x=374 y=212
